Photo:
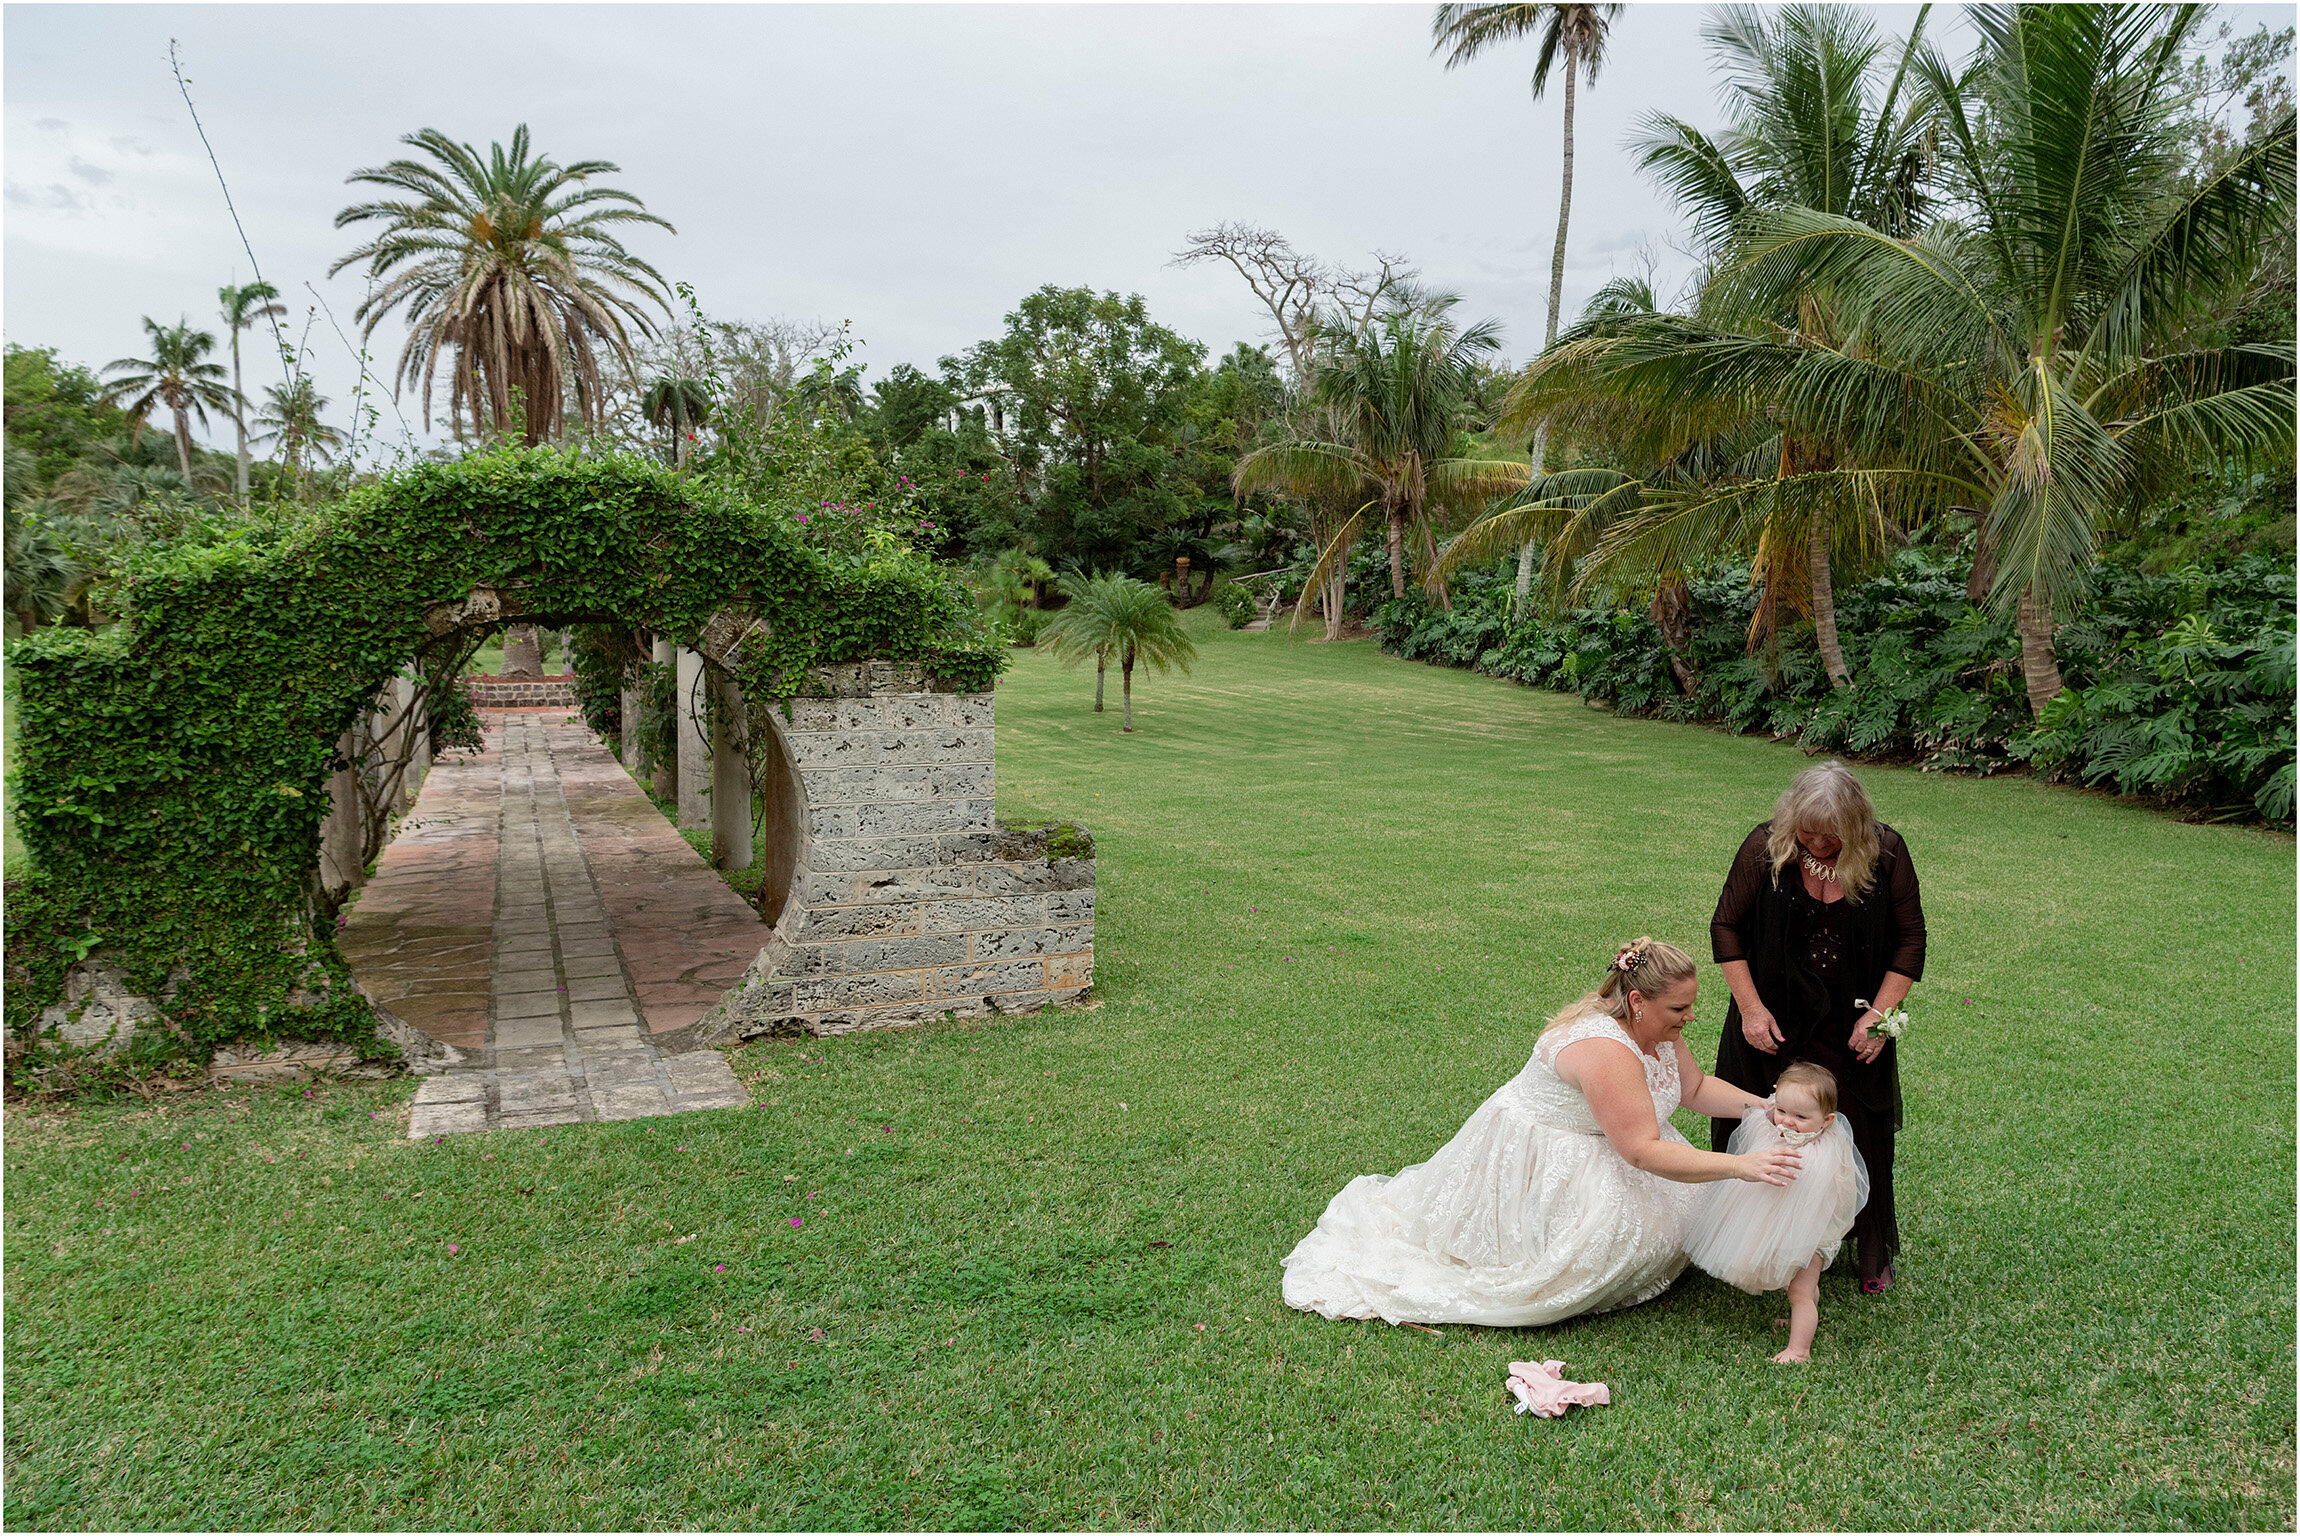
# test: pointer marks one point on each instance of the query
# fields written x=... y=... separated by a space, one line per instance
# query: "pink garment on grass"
x=1543 y=1389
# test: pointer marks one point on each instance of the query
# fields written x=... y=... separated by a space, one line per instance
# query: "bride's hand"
x=1774 y=1165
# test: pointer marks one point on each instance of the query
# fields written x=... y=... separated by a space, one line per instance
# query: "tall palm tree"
x=2048 y=349
x=291 y=422
x=509 y=267
x=1573 y=40
x=1117 y=616
x=1394 y=392
x=175 y=376
x=678 y=406
x=243 y=307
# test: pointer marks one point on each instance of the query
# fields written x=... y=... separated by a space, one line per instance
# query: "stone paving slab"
x=507 y=920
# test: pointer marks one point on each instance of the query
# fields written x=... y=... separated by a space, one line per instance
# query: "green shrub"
x=2178 y=686
x=1238 y=605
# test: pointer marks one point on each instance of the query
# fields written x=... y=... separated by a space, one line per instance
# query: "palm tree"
x=1394 y=391
x=291 y=421
x=678 y=406
x=243 y=307
x=174 y=376
x=43 y=578
x=1572 y=36
x=510 y=266
x=2049 y=349
x=1117 y=616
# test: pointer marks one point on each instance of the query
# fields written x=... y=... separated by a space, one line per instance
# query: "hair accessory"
x=1631 y=955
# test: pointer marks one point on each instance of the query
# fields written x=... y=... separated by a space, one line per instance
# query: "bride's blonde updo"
x=1646 y=966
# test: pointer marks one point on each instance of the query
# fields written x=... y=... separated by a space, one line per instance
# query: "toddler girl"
x=1764 y=1237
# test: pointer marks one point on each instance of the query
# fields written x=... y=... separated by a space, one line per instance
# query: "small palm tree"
x=243 y=307
x=510 y=266
x=1395 y=390
x=176 y=376
x=1117 y=616
x=678 y=406
x=291 y=421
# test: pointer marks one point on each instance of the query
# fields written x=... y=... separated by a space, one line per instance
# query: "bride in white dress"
x=1566 y=1192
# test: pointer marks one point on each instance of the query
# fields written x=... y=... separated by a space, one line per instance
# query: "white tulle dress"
x=1527 y=1216
x=1756 y=1236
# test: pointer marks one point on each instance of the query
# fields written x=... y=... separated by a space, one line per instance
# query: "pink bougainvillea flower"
x=718 y=1269
x=1197 y=1327
x=796 y=1222
x=454 y=1247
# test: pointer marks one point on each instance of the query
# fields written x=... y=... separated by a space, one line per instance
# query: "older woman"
x=1819 y=932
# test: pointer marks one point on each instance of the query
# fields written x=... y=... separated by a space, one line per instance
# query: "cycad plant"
x=510 y=268
x=176 y=375
x=1393 y=391
x=1117 y=618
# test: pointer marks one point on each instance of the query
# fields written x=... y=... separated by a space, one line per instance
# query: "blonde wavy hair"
x=1827 y=798
x=1645 y=965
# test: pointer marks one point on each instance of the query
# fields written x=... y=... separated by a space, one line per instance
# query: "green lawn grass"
x=1338 y=893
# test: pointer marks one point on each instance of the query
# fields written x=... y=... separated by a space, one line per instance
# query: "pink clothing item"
x=1543 y=1389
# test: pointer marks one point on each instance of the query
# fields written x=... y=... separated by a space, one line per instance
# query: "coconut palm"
x=1573 y=41
x=2048 y=350
x=291 y=422
x=1393 y=391
x=509 y=269
x=678 y=406
x=177 y=376
x=243 y=307
x=1117 y=616
x=1812 y=124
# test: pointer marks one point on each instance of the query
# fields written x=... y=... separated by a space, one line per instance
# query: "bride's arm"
x=1609 y=1076
x=1712 y=1096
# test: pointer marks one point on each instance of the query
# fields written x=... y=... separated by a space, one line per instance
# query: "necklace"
x=1825 y=873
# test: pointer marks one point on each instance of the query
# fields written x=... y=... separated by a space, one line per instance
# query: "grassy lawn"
x=1338 y=894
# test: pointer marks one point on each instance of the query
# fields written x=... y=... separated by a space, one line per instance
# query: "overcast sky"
x=913 y=169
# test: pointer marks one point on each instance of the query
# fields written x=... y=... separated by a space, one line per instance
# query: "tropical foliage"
x=510 y=269
x=1117 y=618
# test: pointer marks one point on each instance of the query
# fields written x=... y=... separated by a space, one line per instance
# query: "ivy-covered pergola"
x=174 y=766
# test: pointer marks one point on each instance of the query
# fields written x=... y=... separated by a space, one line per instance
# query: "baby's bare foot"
x=1780 y=1322
x=1791 y=1357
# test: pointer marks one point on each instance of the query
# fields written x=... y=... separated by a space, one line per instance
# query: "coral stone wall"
x=490 y=692
x=908 y=900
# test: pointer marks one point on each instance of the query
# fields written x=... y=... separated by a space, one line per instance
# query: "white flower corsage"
x=1891 y=1023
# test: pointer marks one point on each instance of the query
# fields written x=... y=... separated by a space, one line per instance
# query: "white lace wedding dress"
x=1527 y=1216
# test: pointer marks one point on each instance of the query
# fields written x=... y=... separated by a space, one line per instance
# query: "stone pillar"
x=630 y=726
x=694 y=745
x=664 y=777
x=340 y=835
x=730 y=779
x=419 y=733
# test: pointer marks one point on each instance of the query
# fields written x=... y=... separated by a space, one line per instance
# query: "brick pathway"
x=538 y=914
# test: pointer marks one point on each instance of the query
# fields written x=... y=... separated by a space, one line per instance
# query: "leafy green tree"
x=510 y=268
x=679 y=407
x=1117 y=616
x=177 y=376
x=55 y=412
x=906 y=405
x=1085 y=396
x=243 y=307
x=1394 y=389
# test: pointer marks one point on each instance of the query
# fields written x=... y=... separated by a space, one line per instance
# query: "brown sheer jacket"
x=1762 y=920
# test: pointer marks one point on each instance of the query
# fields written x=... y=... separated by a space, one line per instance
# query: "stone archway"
x=179 y=838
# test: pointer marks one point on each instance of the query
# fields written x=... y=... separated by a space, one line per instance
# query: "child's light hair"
x=1815 y=1079
x=1646 y=966
x=1827 y=798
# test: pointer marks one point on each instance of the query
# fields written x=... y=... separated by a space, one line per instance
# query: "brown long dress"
x=1811 y=962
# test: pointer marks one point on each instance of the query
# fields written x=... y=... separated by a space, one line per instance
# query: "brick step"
x=491 y=692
